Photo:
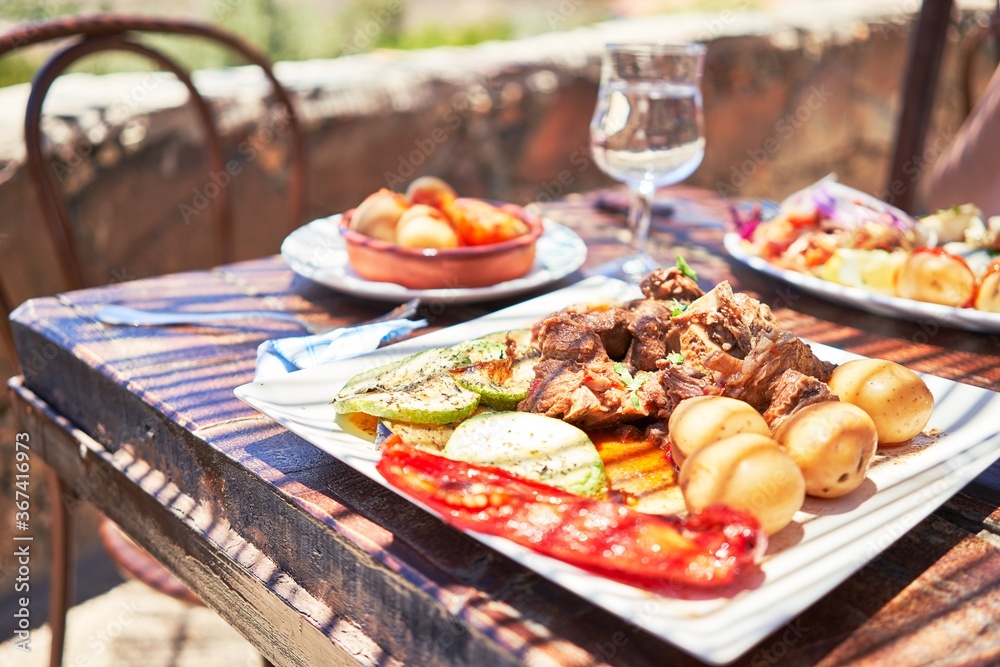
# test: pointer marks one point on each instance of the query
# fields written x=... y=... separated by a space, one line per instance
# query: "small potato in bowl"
x=430 y=190
x=378 y=215
x=424 y=226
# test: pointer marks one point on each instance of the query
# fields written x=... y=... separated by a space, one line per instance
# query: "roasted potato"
x=748 y=471
x=425 y=227
x=430 y=190
x=702 y=420
x=378 y=215
x=894 y=397
x=833 y=444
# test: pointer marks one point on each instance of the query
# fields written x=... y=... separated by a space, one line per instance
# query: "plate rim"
x=392 y=292
x=720 y=645
x=968 y=319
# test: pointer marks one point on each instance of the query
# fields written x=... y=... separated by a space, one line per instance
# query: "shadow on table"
x=885 y=601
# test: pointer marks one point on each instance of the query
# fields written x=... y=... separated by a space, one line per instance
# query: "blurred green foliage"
x=35 y=10
x=436 y=34
x=15 y=69
x=285 y=30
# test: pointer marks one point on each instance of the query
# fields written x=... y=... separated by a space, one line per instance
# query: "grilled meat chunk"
x=666 y=284
x=793 y=391
x=594 y=394
x=772 y=354
x=558 y=390
x=578 y=334
x=679 y=382
x=720 y=322
x=650 y=328
x=562 y=338
x=729 y=342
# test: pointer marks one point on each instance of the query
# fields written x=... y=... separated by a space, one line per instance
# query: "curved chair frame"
x=103 y=33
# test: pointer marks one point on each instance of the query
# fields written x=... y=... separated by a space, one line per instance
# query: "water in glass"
x=647 y=129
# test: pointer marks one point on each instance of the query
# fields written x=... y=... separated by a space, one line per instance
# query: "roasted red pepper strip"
x=708 y=548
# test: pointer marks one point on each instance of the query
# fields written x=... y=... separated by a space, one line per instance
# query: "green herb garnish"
x=622 y=370
x=631 y=384
x=685 y=268
x=675 y=358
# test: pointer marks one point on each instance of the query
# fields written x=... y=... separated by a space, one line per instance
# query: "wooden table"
x=315 y=564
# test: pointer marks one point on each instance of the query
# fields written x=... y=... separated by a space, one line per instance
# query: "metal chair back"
x=91 y=34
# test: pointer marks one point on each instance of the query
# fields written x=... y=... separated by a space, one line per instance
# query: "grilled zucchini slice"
x=532 y=446
x=438 y=400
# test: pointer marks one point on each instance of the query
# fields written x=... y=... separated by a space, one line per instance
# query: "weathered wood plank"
x=231 y=574
x=946 y=614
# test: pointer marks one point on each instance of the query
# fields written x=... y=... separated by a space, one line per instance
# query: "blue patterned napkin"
x=284 y=355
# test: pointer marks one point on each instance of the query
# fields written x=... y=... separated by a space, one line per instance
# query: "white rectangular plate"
x=829 y=541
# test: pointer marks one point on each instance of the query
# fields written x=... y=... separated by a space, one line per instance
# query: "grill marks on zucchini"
x=436 y=400
x=401 y=374
x=502 y=383
x=445 y=385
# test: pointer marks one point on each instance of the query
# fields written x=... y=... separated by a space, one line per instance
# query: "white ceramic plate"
x=829 y=541
x=880 y=304
x=316 y=251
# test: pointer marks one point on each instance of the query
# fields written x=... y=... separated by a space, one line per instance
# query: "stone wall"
x=790 y=96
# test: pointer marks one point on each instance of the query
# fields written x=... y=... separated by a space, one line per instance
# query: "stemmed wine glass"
x=647 y=129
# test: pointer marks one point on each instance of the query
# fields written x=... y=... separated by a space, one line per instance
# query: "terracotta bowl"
x=429 y=268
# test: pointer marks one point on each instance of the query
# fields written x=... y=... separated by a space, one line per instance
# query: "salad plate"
x=828 y=541
x=880 y=304
x=317 y=251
